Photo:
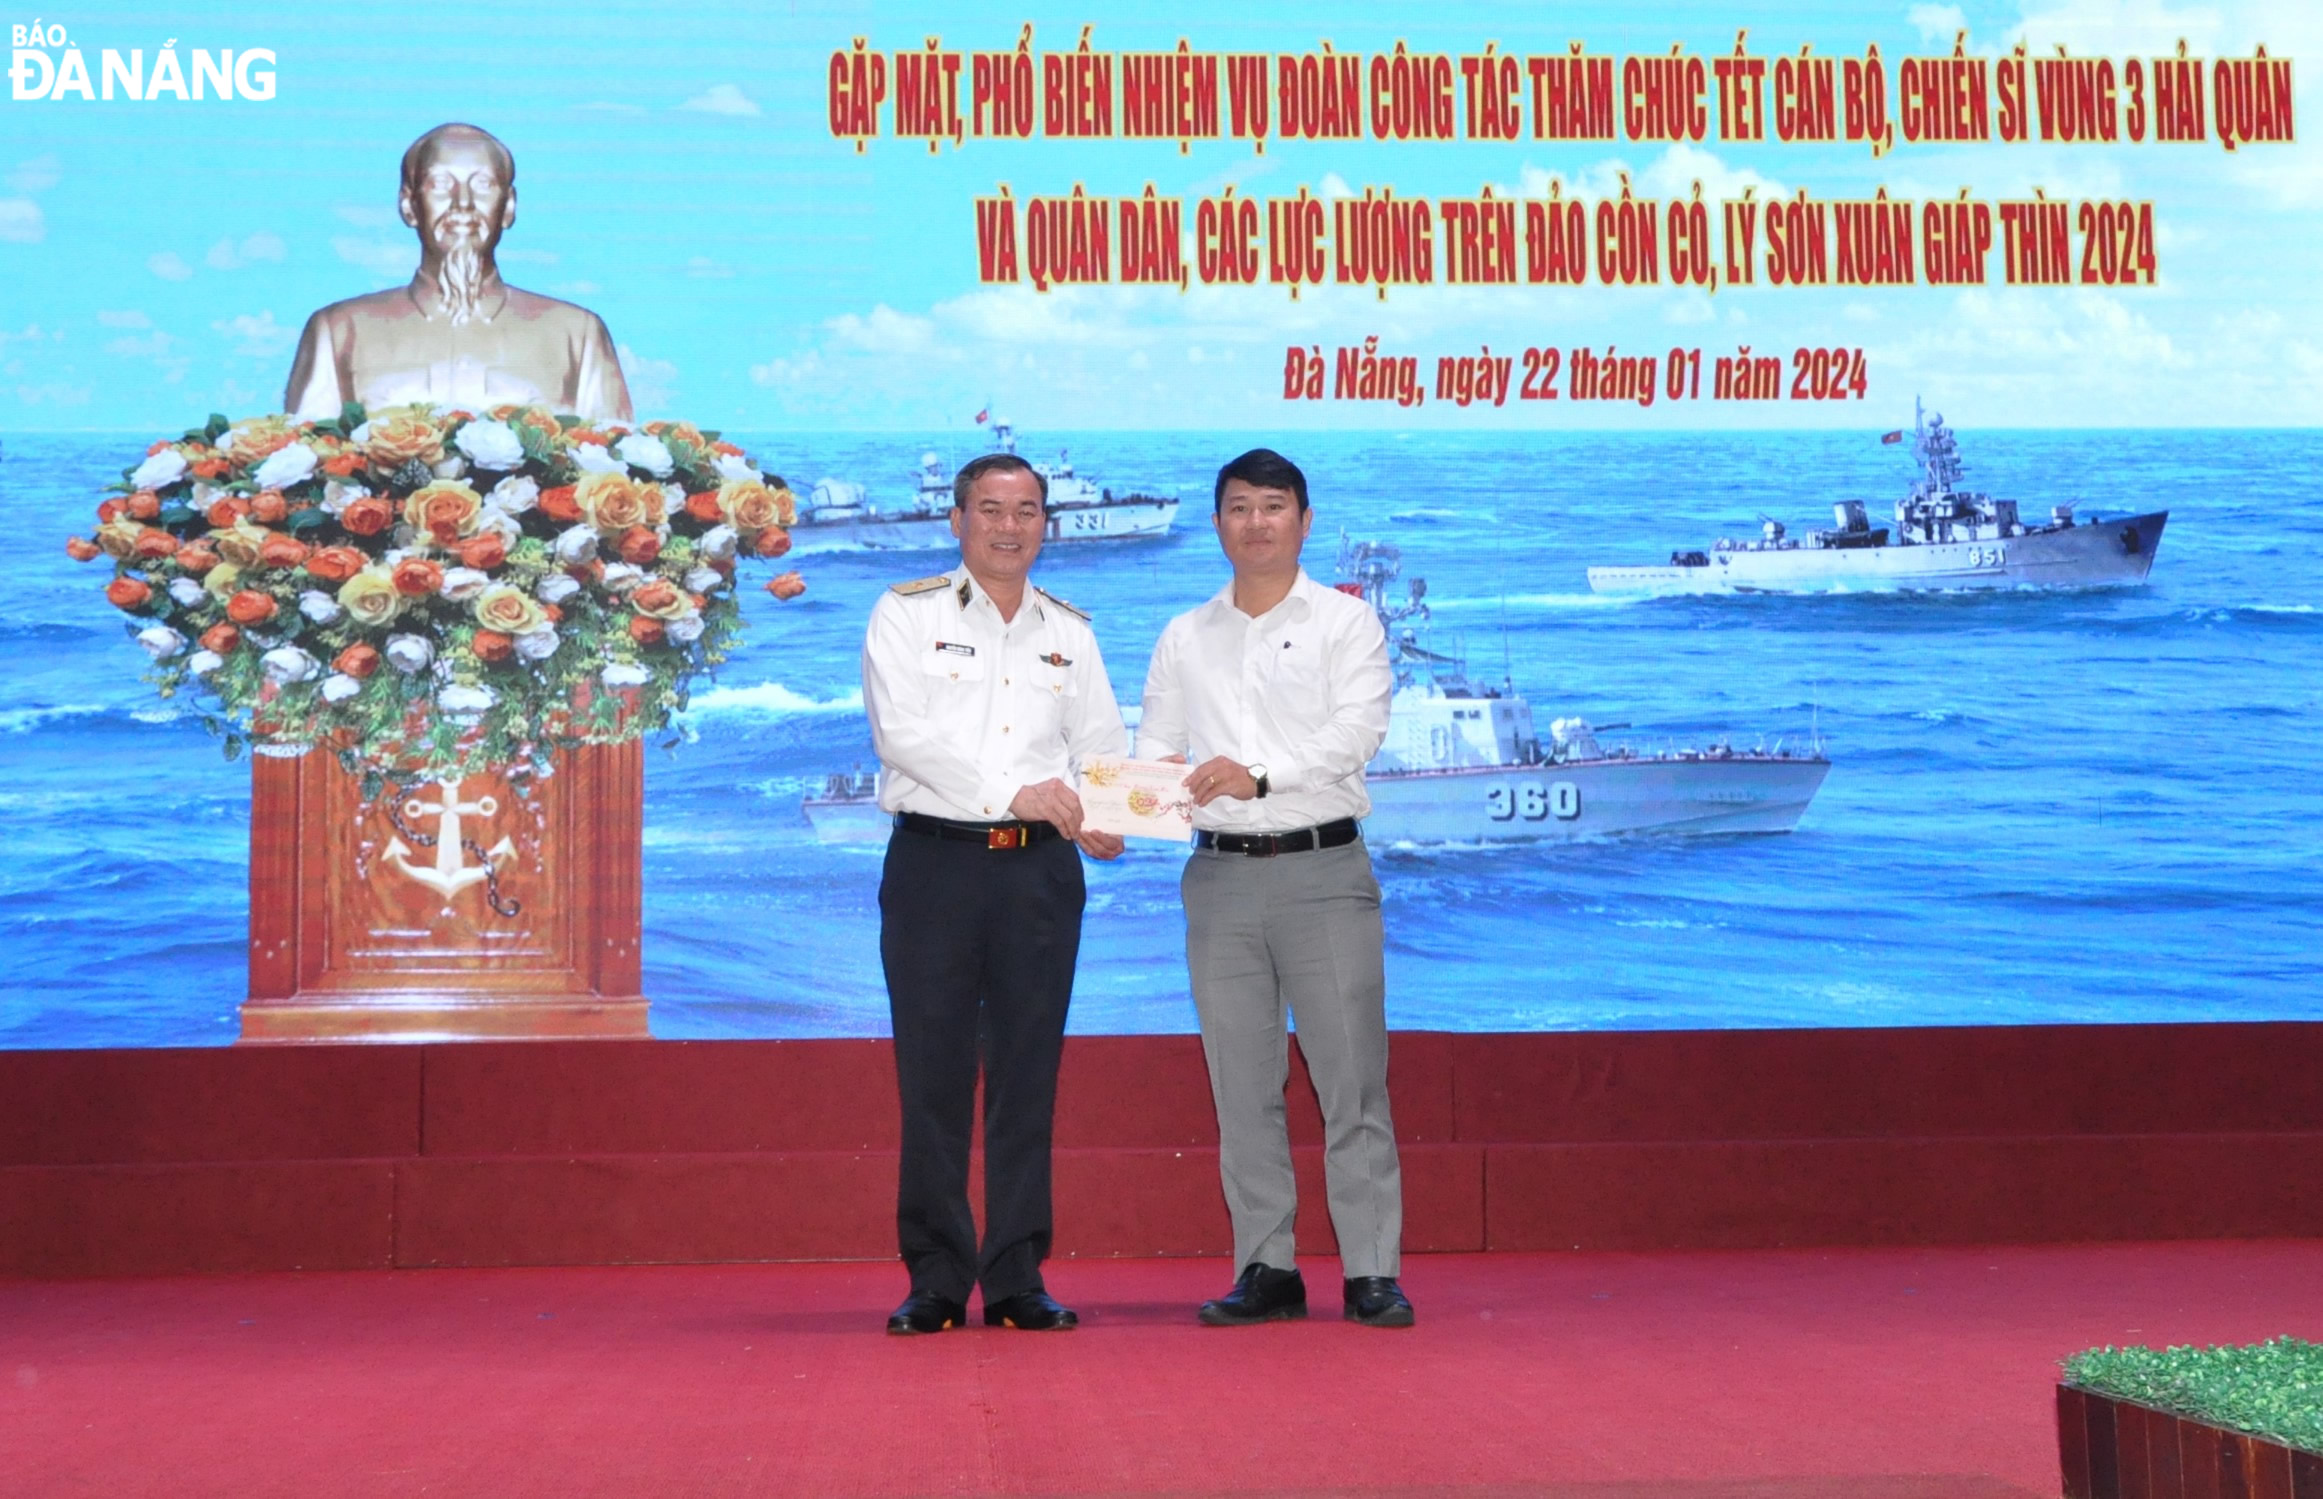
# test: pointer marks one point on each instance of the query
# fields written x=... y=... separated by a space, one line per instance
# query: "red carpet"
x=1878 y=1374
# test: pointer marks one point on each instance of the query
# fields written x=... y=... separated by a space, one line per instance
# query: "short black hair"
x=994 y=463
x=1260 y=468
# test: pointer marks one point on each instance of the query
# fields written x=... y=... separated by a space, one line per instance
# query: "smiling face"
x=1000 y=523
x=1261 y=529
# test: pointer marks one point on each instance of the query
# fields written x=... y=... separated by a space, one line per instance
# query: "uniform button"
x=1004 y=681
x=1004 y=728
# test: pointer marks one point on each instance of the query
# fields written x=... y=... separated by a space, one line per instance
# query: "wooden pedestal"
x=372 y=921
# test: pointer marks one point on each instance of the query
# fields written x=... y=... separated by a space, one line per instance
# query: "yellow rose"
x=370 y=597
x=223 y=581
x=239 y=543
x=751 y=506
x=118 y=537
x=253 y=442
x=659 y=598
x=509 y=610
x=615 y=502
x=397 y=437
x=444 y=511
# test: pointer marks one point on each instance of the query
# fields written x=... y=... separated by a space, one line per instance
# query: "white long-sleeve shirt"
x=1302 y=689
x=967 y=708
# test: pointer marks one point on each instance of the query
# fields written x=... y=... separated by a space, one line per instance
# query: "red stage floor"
x=1870 y=1374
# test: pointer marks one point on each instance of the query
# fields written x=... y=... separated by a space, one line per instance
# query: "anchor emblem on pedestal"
x=451 y=873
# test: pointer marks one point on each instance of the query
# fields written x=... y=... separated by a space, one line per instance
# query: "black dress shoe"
x=1377 y=1301
x=1030 y=1311
x=1263 y=1294
x=925 y=1311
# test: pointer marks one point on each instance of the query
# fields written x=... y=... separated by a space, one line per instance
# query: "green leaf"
x=212 y=429
x=351 y=415
x=177 y=515
x=306 y=519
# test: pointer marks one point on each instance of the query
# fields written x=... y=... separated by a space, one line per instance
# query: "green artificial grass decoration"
x=2273 y=1390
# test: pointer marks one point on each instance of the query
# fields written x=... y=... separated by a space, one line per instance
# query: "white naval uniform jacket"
x=967 y=708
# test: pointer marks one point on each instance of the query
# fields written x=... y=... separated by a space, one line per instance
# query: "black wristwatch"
x=1258 y=774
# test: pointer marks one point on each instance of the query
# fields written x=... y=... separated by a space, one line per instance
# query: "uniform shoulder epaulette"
x=919 y=585
x=1078 y=613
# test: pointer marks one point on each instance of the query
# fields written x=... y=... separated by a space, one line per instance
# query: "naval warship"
x=841 y=514
x=1464 y=763
x=1945 y=537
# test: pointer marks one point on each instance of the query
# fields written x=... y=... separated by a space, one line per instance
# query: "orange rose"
x=659 y=598
x=144 y=505
x=727 y=448
x=552 y=614
x=118 y=537
x=340 y=465
x=367 y=516
x=357 y=660
x=253 y=443
x=557 y=504
x=787 y=586
x=484 y=551
x=155 y=543
x=284 y=551
x=269 y=506
x=221 y=638
x=129 y=593
x=645 y=631
x=250 y=607
x=614 y=502
x=444 y=511
x=772 y=542
x=676 y=432
x=640 y=546
x=416 y=577
x=109 y=509
x=396 y=440
x=704 y=507
x=227 y=509
x=81 y=549
x=335 y=564
x=211 y=468
x=196 y=559
x=749 y=505
x=492 y=646
x=239 y=543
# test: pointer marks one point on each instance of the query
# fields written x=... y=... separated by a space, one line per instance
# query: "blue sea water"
x=2093 y=806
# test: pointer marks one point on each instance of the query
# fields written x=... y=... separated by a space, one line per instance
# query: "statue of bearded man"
x=458 y=335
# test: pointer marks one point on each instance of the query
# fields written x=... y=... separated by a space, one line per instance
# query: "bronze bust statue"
x=457 y=335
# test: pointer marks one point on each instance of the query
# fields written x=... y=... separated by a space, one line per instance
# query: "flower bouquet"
x=431 y=594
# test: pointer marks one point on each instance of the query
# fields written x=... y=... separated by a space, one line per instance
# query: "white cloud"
x=55 y=393
x=703 y=268
x=603 y=106
x=724 y=99
x=131 y=319
x=1335 y=186
x=37 y=175
x=169 y=266
x=575 y=288
x=528 y=257
x=226 y=255
x=259 y=337
x=21 y=222
x=147 y=346
x=365 y=216
x=2117 y=28
x=386 y=260
x=1669 y=175
x=882 y=331
x=1937 y=24
x=652 y=382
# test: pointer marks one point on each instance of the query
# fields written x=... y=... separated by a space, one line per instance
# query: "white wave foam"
x=1539 y=601
x=772 y=697
x=25 y=720
x=1424 y=514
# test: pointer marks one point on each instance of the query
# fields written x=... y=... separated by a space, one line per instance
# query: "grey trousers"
x=1296 y=933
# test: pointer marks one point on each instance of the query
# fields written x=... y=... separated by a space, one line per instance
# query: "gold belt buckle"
x=1007 y=837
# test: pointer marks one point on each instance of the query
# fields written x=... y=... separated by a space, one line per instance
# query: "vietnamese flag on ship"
x=1892 y=437
x=983 y=416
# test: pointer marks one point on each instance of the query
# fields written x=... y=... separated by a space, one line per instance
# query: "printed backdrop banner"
x=1526 y=295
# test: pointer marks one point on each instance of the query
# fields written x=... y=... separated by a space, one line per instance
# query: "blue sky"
x=677 y=175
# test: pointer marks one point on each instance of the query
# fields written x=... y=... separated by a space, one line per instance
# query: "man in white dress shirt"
x=1277 y=691
x=984 y=695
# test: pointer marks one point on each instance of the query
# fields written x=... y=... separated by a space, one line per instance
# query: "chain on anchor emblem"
x=450 y=874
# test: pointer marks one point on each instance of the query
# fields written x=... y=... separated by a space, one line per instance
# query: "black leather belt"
x=1267 y=845
x=990 y=834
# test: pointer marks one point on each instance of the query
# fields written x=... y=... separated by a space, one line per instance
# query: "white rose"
x=508 y=527
x=160 y=471
x=646 y=451
x=338 y=495
x=491 y=445
x=704 y=580
x=623 y=674
x=360 y=435
x=576 y=545
x=465 y=701
x=319 y=607
x=287 y=663
x=205 y=491
x=620 y=577
x=202 y=663
x=557 y=587
x=338 y=687
x=409 y=653
x=537 y=645
x=450 y=466
x=686 y=630
x=160 y=641
x=285 y=466
x=734 y=466
x=590 y=458
x=187 y=592
x=463 y=583
x=717 y=543
x=515 y=494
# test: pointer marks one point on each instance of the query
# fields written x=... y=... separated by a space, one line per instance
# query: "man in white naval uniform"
x=1277 y=690
x=984 y=694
